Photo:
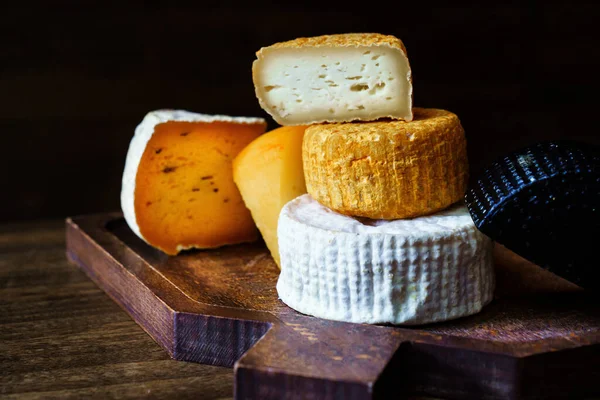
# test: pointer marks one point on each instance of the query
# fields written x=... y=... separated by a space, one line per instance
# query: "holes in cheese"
x=334 y=78
x=178 y=190
x=387 y=169
x=268 y=173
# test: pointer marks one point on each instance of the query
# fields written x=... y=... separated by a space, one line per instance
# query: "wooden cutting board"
x=539 y=338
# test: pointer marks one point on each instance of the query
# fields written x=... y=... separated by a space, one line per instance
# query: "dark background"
x=77 y=76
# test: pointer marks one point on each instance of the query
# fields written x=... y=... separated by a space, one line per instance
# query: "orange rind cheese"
x=388 y=169
x=268 y=173
x=177 y=190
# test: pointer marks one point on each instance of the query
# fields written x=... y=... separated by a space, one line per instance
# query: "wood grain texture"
x=535 y=340
x=62 y=337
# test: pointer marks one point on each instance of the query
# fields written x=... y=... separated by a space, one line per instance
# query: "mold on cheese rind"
x=410 y=271
x=144 y=133
x=388 y=169
x=335 y=78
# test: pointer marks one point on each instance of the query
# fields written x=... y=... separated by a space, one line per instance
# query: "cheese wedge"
x=177 y=190
x=268 y=173
x=409 y=271
x=388 y=169
x=334 y=78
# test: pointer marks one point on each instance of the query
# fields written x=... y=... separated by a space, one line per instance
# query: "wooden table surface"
x=62 y=337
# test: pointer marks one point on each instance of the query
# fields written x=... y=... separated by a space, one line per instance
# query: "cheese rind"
x=540 y=201
x=411 y=271
x=334 y=78
x=388 y=169
x=189 y=164
x=268 y=173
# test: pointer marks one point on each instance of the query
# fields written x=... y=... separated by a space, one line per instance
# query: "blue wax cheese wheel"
x=542 y=202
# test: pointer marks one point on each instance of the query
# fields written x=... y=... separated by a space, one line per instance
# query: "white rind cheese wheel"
x=409 y=271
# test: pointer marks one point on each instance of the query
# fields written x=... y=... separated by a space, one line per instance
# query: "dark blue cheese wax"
x=543 y=203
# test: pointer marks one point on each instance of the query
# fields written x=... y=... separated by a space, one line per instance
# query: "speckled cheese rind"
x=411 y=271
x=388 y=169
x=334 y=78
x=143 y=133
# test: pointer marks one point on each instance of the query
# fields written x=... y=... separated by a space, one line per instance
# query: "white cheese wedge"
x=334 y=78
x=407 y=271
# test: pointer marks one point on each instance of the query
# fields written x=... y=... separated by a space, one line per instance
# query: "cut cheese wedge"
x=388 y=169
x=411 y=271
x=268 y=173
x=177 y=190
x=334 y=78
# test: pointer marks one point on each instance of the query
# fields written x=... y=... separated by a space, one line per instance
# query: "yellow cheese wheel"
x=387 y=169
x=178 y=191
x=268 y=173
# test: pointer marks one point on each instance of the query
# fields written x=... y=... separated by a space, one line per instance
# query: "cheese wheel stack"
x=382 y=236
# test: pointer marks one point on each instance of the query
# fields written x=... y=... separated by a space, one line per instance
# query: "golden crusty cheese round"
x=387 y=169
